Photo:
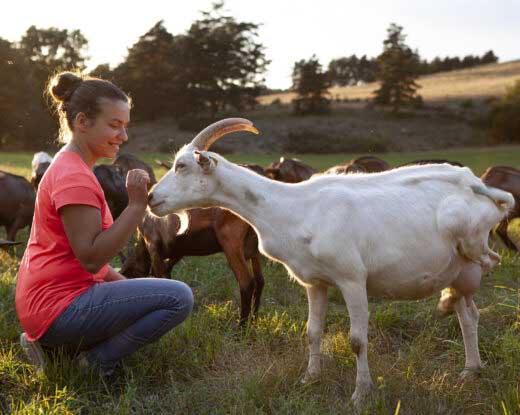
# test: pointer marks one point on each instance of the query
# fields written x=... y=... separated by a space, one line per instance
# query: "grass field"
x=477 y=158
x=208 y=365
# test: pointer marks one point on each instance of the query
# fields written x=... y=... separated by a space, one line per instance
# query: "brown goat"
x=162 y=243
x=209 y=231
x=364 y=164
x=289 y=170
x=508 y=179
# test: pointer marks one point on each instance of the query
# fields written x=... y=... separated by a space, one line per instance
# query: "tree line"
x=352 y=70
x=218 y=63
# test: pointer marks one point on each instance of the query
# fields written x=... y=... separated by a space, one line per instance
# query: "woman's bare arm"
x=94 y=247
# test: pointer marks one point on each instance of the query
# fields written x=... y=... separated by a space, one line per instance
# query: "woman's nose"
x=123 y=134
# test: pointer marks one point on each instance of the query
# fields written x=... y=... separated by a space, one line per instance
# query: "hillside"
x=455 y=102
x=480 y=82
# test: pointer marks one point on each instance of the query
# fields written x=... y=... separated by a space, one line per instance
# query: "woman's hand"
x=137 y=181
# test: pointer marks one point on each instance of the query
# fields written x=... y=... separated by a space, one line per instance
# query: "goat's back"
x=17 y=198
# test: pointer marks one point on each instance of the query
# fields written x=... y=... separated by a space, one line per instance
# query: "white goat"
x=402 y=234
x=39 y=165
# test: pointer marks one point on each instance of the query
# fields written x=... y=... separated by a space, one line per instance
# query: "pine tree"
x=311 y=84
x=398 y=70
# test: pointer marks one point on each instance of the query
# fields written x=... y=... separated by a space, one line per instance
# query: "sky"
x=290 y=30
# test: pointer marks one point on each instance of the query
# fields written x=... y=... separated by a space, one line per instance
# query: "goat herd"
x=407 y=233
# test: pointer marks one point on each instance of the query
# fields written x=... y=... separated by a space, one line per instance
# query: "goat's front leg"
x=159 y=266
x=317 y=295
x=355 y=295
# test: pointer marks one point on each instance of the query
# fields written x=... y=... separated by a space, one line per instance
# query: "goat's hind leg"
x=468 y=316
x=317 y=296
x=465 y=287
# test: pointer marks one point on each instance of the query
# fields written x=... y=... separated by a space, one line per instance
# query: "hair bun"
x=64 y=84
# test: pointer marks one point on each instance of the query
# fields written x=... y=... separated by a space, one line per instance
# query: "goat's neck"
x=261 y=202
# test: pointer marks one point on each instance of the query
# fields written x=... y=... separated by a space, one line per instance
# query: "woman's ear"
x=82 y=122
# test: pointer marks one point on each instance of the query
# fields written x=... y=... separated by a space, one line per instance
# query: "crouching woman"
x=66 y=293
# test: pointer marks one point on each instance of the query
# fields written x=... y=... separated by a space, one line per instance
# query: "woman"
x=66 y=293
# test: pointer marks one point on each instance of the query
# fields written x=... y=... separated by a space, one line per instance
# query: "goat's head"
x=192 y=180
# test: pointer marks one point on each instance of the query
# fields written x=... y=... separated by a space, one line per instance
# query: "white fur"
x=404 y=234
x=40 y=157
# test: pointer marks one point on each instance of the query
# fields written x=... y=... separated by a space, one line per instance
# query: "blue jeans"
x=112 y=320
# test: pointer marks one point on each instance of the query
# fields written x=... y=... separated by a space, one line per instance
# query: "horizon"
x=433 y=30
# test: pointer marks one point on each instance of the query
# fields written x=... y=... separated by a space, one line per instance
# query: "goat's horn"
x=213 y=132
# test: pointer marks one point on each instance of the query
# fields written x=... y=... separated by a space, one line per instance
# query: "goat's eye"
x=179 y=166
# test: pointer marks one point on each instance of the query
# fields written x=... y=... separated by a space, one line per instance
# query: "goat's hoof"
x=361 y=392
x=310 y=378
x=470 y=373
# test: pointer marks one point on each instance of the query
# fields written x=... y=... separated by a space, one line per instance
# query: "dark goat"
x=128 y=162
x=113 y=184
x=432 y=161
x=112 y=178
x=289 y=170
x=508 y=179
x=17 y=199
x=364 y=164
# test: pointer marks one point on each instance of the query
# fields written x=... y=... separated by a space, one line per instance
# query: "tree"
x=311 y=84
x=24 y=121
x=343 y=71
x=398 y=70
x=55 y=49
x=489 y=57
x=150 y=74
x=223 y=61
x=102 y=71
x=351 y=70
x=46 y=51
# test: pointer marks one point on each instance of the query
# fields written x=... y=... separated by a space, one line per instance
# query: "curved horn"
x=213 y=132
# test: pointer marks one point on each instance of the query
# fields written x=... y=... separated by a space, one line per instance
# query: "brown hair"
x=73 y=93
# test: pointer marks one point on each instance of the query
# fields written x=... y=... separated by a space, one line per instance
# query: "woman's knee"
x=183 y=296
x=187 y=296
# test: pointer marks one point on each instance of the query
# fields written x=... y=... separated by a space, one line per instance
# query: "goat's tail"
x=446 y=305
x=504 y=200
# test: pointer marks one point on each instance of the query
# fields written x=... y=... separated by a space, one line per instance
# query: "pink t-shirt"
x=50 y=276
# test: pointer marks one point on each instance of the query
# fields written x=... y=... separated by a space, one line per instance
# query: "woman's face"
x=107 y=132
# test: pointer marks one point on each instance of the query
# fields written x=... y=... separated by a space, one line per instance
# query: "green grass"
x=208 y=365
x=478 y=159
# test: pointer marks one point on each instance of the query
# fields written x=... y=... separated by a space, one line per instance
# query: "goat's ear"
x=205 y=161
